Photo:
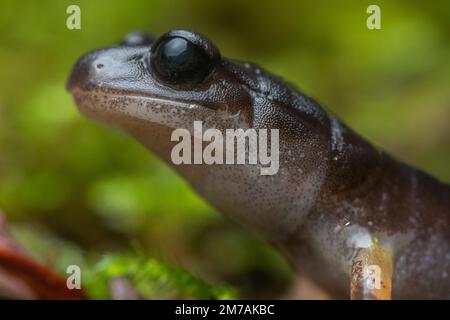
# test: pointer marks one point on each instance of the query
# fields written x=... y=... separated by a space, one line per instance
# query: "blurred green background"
x=75 y=190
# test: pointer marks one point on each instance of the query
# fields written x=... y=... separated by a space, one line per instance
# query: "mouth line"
x=152 y=100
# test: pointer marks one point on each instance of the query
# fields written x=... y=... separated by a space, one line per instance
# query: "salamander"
x=346 y=214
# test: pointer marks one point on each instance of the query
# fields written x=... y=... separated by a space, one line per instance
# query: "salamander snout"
x=109 y=68
x=82 y=72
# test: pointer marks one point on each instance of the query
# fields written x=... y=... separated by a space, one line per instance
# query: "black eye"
x=177 y=60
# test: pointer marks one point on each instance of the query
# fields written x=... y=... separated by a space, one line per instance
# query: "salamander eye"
x=178 y=61
x=137 y=38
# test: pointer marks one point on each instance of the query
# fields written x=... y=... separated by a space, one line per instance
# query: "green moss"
x=152 y=279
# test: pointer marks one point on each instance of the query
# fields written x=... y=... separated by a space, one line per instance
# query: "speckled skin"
x=332 y=189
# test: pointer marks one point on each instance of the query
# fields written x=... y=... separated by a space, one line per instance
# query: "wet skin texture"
x=333 y=191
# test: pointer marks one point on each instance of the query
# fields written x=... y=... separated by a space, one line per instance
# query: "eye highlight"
x=178 y=61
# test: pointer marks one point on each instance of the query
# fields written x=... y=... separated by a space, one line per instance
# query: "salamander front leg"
x=371 y=273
